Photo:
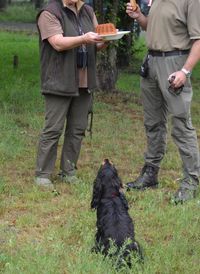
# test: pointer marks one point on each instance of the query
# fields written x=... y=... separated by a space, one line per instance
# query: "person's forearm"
x=193 y=57
x=142 y=21
x=137 y=15
x=60 y=43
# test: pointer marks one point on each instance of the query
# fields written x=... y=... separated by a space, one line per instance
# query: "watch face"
x=188 y=74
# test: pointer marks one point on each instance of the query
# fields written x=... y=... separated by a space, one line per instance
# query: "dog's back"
x=113 y=221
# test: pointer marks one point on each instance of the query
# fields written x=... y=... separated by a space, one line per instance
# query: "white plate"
x=116 y=36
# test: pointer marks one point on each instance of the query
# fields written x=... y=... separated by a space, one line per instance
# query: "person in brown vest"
x=68 y=44
x=173 y=42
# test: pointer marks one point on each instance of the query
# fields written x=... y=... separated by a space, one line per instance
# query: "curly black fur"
x=113 y=221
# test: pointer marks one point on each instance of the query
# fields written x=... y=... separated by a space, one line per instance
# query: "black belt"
x=168 y=53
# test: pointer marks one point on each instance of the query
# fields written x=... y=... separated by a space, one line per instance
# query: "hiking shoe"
x=44 y=182
x=187 y=190
x=71 y=179
x=184 y=194
x=148 y=179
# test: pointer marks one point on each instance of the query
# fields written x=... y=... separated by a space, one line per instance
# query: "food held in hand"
x=134 y=5
x=104 y=29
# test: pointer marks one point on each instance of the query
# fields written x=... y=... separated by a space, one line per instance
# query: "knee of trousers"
x=160 y=126
x=51 y=134
x=182 y=127
x=77 y=132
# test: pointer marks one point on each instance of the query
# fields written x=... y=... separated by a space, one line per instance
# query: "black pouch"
x=144 y=69
x=82 y=57
x=175 y=91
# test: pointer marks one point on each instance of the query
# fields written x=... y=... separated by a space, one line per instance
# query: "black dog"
x=114 y=225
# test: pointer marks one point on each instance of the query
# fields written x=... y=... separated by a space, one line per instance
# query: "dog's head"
x=107 y=183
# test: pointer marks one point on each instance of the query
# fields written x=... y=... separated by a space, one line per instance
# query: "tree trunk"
x=107 y=59
x=107 y=70
x=3 y=5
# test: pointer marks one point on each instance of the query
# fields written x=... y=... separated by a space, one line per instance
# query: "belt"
x=168 y=53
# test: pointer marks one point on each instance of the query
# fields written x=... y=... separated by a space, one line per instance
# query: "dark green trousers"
x=60 y=112
x=158 y=102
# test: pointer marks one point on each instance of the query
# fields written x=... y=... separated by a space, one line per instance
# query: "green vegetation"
x=19 y=12
x=45 y=232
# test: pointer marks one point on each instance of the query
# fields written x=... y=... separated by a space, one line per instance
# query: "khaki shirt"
x=49 y=25
x=173 y=24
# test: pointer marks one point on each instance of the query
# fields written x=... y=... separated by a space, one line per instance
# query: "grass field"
x=19 y=12
x=44 y=232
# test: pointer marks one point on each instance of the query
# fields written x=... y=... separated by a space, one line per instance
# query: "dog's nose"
x=107 y=161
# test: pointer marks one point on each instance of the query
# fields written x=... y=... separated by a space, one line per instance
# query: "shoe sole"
x=42 y=184
x=68 y=180
x=142 y=188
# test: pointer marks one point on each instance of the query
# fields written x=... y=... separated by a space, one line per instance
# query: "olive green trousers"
x=60 y=110
x=158 y=102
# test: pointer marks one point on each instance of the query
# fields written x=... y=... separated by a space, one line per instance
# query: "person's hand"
x=102 y=45
x=133 y=14
x=179 y=79
x=92 y=38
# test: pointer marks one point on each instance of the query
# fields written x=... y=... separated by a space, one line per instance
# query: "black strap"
x=168 y=53
x=90 y=115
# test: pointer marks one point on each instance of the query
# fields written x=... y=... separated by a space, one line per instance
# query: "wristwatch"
x=186 y=72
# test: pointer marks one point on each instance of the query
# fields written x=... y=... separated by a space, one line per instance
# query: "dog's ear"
x=97 y=192
x=117 y=181
x=123 y=199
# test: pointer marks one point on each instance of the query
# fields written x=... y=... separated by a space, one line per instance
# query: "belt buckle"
x=163 y=54
x=180 y=53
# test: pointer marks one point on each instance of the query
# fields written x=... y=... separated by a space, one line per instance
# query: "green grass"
x=19 y=12
x=45 y=232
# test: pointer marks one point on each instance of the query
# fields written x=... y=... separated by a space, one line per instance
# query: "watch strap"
x=186 y=72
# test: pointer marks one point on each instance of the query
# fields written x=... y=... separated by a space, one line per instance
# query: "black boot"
x=147 y=179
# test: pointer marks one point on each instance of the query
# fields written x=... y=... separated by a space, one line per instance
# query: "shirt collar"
x=79 y=4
